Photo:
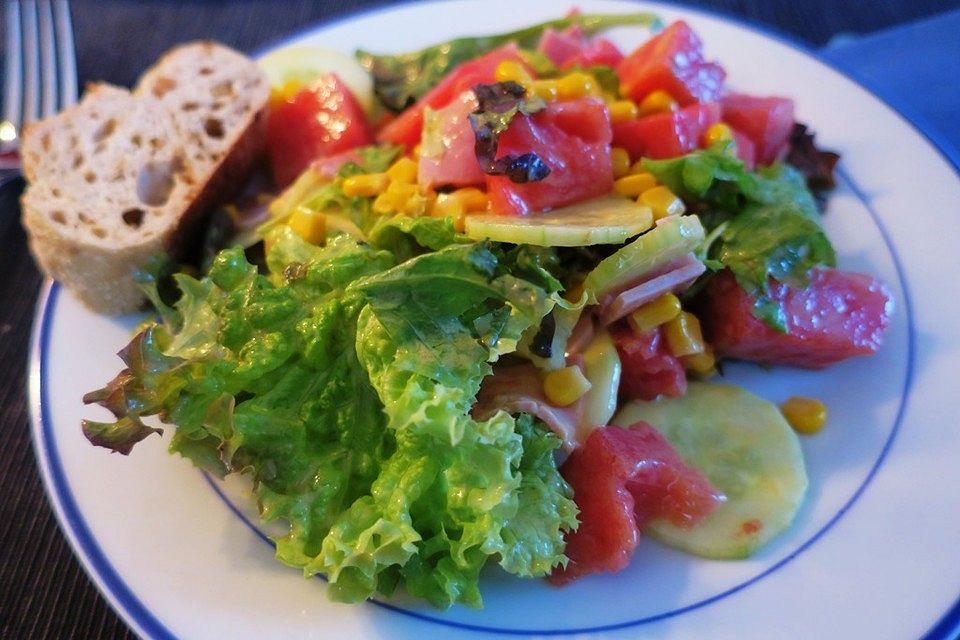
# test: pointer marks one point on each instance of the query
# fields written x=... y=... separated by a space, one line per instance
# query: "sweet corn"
x=512 y=71
x=657 y=101
x=576 y=85
x=467 y=200
x=309 y=224
x=565 y=386
x=683 y=335
x=383 y=204
x=655 y=313
x=447 y=206
x=403 y=170
x=621 y=162
x=633 y=185
x=547 y=90
x=400 y=197
x=701 y=364
x=720 y=132
x=637 y=167
x=805 y=415
x=662 y=202
x=365 y=185
x=473 y=199
x=459 y=203
x=623 y=111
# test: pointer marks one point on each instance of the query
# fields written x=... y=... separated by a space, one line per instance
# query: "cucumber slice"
x=672 y=238
x=601 y=366
x=606 y=220
x=303 y=64
x=746 y=449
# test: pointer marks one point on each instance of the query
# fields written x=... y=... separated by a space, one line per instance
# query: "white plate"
x=874 y=552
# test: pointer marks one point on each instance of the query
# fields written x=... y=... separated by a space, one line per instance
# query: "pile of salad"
x=485 y=319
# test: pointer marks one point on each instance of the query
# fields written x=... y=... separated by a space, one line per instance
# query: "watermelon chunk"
x=666 y=135
x=572 y=48
x=767 y=121
x=746 y=150
x=322 y=119
x=597 y=52
x=622 y=479
x=649 y=369
x=838 y=316
x=573 y=139
x=671 y=61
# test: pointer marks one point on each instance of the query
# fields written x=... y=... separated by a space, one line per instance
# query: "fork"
x=40 y=71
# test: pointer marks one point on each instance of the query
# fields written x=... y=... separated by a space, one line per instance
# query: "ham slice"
x=673 y=278
x=517 y=388
x=447 y=155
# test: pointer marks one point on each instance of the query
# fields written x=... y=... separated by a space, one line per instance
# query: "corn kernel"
x=458 y=203
x=547 y=90
x=576 y=85
x=621 y=162
x=631 y=186
x=446 y=205
x=383 y=204
x=365 y=185
x=683 y=335
x=473 y=199
x=407 y=199
x=805 y=415
x=701 y=364
x=655 y=313
x=400 y=197
x=662 y=202
x=403 y=170
x=637 y=167
x=720 y=132
x=623 y=111
x=658 y=101
x=512 y=71
x=309 y=224
x=565 y=386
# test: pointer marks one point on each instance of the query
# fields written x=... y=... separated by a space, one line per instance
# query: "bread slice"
x=124 y=175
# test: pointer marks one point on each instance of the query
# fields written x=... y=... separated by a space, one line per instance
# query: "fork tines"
x=40 y=66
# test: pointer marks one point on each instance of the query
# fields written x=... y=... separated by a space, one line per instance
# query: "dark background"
x=43 y=591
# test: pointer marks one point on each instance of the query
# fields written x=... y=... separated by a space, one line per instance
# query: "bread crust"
x=125 y=175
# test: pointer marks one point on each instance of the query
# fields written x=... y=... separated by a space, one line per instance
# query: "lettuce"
x=761 y=225
x=342 y=383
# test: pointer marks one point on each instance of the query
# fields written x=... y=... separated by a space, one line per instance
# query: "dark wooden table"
x=44 y=593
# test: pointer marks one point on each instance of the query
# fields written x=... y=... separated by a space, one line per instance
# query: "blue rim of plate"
x=143 y=620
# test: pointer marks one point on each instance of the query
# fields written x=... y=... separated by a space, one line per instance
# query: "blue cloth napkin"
x=916 y=69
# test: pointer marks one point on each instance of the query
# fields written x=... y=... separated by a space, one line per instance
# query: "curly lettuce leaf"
x=453 y=492
x=342 y=383
x=262 y=377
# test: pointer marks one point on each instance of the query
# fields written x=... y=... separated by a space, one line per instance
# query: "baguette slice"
x=123 y=175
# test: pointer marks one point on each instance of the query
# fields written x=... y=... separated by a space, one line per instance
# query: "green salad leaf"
x=761 y=225
x=341 y=383
x=402 y=79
